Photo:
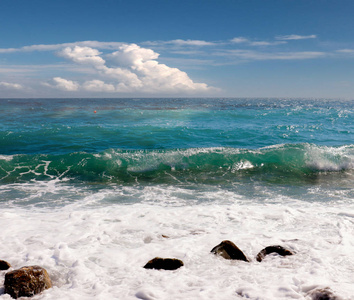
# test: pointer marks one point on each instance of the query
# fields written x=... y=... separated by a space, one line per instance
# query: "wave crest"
x=196 y=164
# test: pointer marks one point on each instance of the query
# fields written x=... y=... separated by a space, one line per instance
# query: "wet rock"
x=322 y=294
x=26 y=282
x=273 y=249
x=229 y=250
x=4 y=265
x=164 y=263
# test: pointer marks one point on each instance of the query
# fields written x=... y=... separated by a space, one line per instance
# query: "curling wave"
x=194 y=164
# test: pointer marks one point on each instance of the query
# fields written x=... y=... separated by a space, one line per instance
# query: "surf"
x=193 y=164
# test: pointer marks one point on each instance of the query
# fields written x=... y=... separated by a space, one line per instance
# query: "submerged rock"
x=164 y=263
x=26 y=282
x=229 y=250
x=273 y=249
x=323 y=294
x=4 y=265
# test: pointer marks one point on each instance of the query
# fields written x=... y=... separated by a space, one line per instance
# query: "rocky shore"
x=31 y=280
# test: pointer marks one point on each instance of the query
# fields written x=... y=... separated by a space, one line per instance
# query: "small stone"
x=164 y=263
x=229 y=250
x=26 y=282
x=273 y=249
x=323 y=294
x=4 y=265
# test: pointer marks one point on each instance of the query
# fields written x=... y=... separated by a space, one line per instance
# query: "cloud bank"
x=129 y=69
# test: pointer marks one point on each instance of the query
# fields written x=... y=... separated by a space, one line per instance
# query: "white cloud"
x=133 y=69
x=242 y=40
x=180 y=42
x=123 y=76
x=83 y=55
x=98 y=86
x=257 y=55
x=190 y=43
x=55 y=47
x=295 y=37
x=63 y=84
x=264 y=43
x=348 y=51
x=11 y=86
x=131 y=54
x=239 y=40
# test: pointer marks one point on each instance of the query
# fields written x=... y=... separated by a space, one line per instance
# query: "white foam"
x=98 y=252
x=6 y=157
x=242 y=165
x=330 y=158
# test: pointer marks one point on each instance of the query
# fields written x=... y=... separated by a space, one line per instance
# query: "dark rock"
x=164 y=263
x=26 y=282
x=273 y=249
x=4 y=265
x=323 y=294
x=229 y=250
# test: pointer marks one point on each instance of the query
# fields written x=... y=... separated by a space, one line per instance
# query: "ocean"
x=92 y=189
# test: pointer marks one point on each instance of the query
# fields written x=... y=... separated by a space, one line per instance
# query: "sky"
x=170 y=48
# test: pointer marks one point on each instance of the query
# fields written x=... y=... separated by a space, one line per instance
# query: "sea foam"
x=95 y=252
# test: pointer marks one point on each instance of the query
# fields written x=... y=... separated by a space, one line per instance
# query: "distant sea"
x=91 y=189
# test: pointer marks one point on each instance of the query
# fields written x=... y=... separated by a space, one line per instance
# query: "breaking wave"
x=200 y=165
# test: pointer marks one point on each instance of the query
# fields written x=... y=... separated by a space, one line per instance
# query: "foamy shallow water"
x=98 y=251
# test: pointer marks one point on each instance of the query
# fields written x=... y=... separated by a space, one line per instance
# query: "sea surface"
x=91 y=189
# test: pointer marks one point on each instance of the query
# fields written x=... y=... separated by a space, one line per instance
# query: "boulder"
x=273 y=249
x=26 y=282
x=322 y=294
x=164 y=263
x=229 y=250
x=4 y=265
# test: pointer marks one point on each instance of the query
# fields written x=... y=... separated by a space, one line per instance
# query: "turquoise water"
x=285 y=147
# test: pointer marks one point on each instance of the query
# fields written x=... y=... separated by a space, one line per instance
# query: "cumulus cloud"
x=83 y=55
x=10 y=86
x=130 y=69
x=63 y=84
x=295 y=37
x=98 y=86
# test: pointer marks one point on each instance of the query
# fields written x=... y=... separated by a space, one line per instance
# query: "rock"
x=273 y=249
x=164 y=263
x=4 y=265
x=229 y=250
x=26 y=282
x=322 y=294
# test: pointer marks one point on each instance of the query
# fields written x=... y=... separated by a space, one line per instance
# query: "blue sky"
x=147 y=48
